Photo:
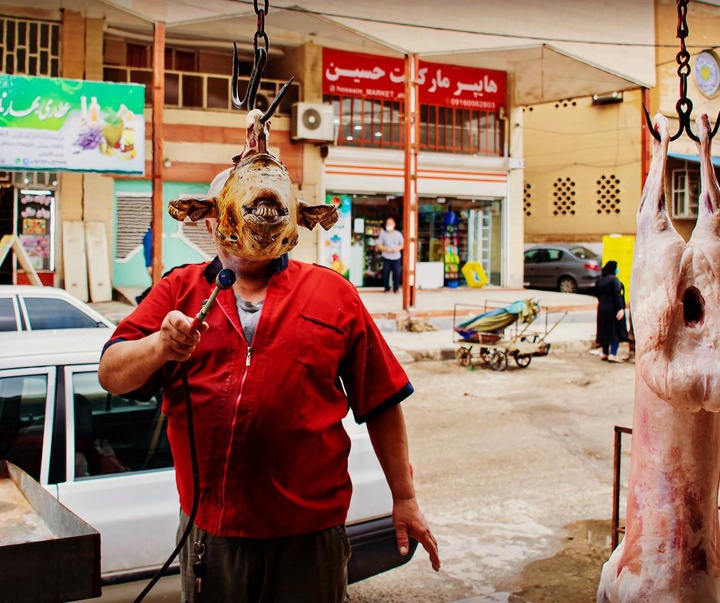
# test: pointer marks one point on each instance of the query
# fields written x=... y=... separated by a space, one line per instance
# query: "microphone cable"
x=196 y=494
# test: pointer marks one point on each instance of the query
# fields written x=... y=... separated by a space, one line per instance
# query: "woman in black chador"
x=611 y=326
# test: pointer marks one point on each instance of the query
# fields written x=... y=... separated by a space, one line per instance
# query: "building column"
x=514 y=215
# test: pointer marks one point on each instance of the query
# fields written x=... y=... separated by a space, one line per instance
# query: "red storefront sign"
x=365 y=75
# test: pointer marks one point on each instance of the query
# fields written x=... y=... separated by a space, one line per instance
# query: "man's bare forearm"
x=389 y=440
x=128 y=365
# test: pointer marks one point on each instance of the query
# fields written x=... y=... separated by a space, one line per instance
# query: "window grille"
x=29 y=47
x=134 y=214
x=685 y=192
x=378 y=123
x=193 y=90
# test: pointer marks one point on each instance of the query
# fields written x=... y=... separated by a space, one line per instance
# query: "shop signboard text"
x=363 y=75
x=55 y=124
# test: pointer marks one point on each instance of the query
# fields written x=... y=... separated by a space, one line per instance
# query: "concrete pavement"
x=570 y=318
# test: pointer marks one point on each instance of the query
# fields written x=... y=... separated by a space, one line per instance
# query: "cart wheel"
x=498 y=361
x=523 y=361
x=463 y=356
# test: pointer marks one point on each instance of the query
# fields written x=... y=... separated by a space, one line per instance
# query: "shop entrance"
x=451 y=232
x=368 y=219
x=28 y=209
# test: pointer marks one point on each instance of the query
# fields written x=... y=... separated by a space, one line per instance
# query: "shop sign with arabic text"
x=58 y=124
x=370 y=76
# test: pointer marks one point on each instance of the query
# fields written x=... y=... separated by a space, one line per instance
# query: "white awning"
x=693 y=158
x=552 y=51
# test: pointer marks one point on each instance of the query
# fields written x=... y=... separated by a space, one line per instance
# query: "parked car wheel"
x=567 y=284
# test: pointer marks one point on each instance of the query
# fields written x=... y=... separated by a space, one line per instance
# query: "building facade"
x=471 y=182
x=585 y=157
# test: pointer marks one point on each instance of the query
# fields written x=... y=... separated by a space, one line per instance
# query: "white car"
x=107 y=458
x=31 y=308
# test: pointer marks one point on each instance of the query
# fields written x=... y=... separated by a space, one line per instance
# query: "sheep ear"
x=310 y=216
x=194 y=209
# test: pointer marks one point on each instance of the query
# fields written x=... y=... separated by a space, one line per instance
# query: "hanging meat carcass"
x=670 y=552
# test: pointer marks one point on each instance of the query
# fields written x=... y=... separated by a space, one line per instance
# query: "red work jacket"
x=272 y=450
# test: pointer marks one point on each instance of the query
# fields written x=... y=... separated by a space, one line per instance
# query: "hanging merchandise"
x=335 y=242
x=451 y=258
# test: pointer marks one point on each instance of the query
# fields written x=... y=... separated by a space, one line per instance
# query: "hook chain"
x=684 y=105
x=260 y=59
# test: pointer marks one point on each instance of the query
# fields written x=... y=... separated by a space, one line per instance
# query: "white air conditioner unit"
x=312 y=121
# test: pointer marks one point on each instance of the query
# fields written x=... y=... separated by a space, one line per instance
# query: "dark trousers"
x=394 y=267
x=308 y=568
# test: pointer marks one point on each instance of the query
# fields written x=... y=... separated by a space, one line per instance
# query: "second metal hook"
x=684 y=117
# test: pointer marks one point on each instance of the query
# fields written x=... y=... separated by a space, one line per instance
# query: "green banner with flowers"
x=56 y=124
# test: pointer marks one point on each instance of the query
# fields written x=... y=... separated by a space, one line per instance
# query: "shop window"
x=476 y=234
x=29 y=47
x=365 y=122
x=36 y=226
x=197 y=79
x=608 y=192
x=685 y=192
x=35 y=179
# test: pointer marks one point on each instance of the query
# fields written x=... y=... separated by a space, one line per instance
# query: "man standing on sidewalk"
x=269 y=377
x=390 y=244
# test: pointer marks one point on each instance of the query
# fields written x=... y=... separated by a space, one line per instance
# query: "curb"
x=423 y=355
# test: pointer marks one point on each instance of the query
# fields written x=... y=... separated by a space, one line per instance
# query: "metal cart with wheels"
x=500 y=332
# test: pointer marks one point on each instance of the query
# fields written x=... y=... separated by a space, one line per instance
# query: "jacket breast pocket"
x=320 y=346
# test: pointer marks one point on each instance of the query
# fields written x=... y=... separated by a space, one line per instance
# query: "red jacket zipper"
x=232 y=437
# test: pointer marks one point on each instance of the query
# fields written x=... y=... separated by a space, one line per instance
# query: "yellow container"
x=474 y=274
x=620 y=248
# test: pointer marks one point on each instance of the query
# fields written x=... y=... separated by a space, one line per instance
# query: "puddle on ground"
x=573 y=574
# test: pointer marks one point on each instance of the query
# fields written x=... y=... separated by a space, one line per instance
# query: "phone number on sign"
x=473 y=104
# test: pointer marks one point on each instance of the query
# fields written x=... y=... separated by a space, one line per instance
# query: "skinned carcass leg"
x=670 y=550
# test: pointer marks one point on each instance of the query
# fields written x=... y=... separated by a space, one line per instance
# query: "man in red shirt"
x=271 y=374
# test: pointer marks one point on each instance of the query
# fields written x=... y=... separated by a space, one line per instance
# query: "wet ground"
x=514 y=473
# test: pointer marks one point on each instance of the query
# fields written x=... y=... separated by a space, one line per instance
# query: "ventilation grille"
x=608 y=194
x=134 y=214
x=527 y=201
x=564 y=197
x=197 y=235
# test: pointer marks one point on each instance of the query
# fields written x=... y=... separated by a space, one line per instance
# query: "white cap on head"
x=218 y=182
